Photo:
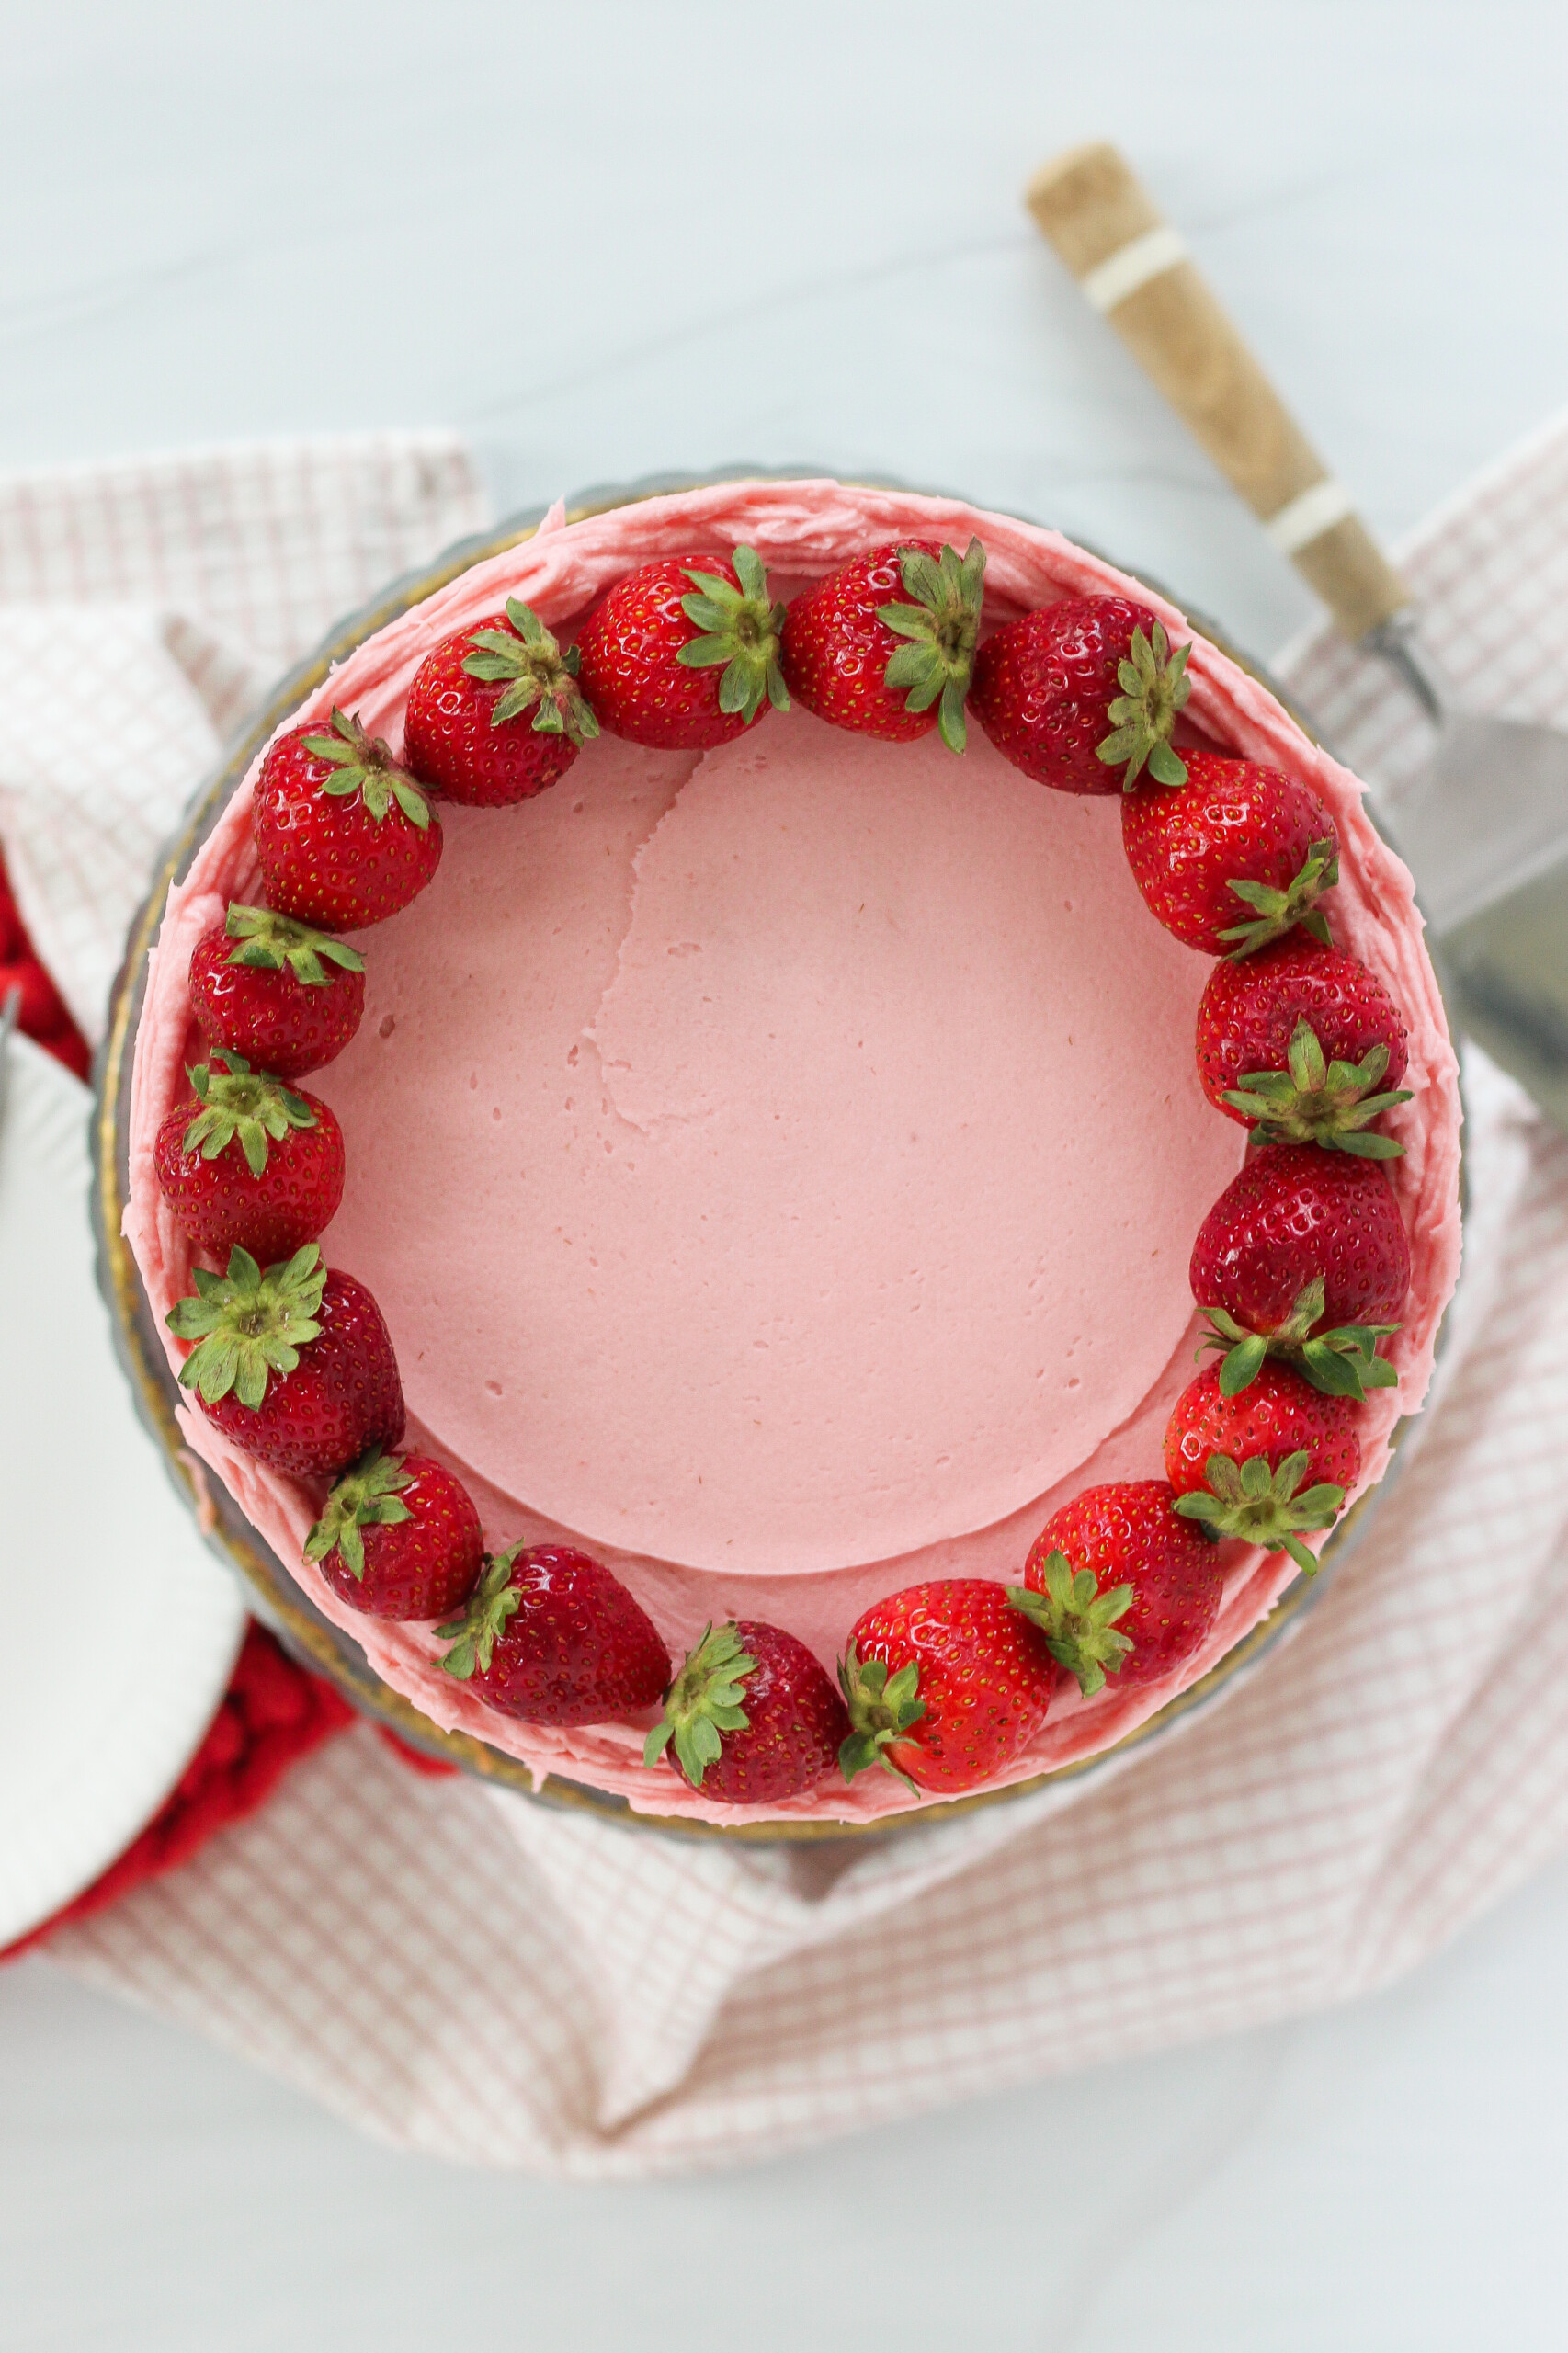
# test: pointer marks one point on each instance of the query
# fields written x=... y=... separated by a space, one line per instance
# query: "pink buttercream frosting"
x=779 y=1167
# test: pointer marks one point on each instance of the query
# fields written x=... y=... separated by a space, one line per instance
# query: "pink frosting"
x=779 y=1167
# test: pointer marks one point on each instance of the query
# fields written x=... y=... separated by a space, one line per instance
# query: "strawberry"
x=885 y=646
x=1240 y=1464
x=1303 y=1042
x=345 y=839
x=551 y=1637
x=249 y=1161
x=467 y=731
x=752 y=1716
x=294 y=1366
x=1084 y=695
x=1120 y=1583
x=1303 y=1257
x=286 y=997
x=400 y=1537
x=1234 y=837
x=652 y=647
x=945 y=1683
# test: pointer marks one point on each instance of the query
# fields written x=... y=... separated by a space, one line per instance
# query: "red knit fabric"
x=42 y=1016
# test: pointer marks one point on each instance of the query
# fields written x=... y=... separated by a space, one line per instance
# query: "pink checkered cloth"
x=480 y=1977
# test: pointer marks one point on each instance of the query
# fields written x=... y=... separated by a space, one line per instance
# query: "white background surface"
x=605 y=240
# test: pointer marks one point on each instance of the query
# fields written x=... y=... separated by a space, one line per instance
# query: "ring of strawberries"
x=1300 y=1268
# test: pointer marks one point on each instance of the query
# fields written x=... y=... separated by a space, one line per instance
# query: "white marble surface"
x=605 y=240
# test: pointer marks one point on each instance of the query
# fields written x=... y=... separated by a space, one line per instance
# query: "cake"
x=778 y=1165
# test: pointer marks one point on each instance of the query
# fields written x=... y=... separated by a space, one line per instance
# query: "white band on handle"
x=1132 y=265
x=1309 y=515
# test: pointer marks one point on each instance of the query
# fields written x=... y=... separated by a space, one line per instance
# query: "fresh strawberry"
x=1303 y=1257
x=1241 y=1465
x=494 y=713
x=885 y=646
x=345 y=839
x=1233 y=858
x=249 y=1161
x=286 y=997
x=945 y=1683
x=752 y=1716
x=1120 y=1583
x=1303 y=1042
x=551 y=1637
x=1084 y=695
x=294 y=1366
x=684 y=653
x=400 y=1537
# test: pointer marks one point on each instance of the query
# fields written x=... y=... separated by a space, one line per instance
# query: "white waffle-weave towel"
x=479 y=1976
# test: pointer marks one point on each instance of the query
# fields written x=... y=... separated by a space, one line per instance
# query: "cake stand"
x=271 y=1589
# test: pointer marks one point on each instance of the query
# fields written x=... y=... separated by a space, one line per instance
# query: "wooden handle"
x=1134 y=268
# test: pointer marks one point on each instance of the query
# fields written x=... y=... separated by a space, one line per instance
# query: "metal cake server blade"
x=1483 y=827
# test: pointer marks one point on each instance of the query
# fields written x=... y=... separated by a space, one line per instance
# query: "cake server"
x=1484 y=824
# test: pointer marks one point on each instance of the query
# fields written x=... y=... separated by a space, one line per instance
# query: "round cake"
x=777 y=1163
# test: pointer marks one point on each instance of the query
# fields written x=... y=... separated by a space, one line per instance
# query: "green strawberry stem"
x=1155 y=685
x=1078 y=1622
x=1316 y=1101
x=495 y=1599
x=538 y=675
x=1262 y=1507
x=364 y=765
x=242 y=1105
x=368 y=1496
x=941 y=625
x=703 y=1703
x=248 y=1325
x=1275 y=911
x=881 y=1708
x=1342 y=1362
x=740 y=629
x=271 y=942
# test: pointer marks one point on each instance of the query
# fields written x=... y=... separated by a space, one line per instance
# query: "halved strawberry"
x=1304 y=1043
x=1304 y=1257
x=945 y=1683
x=1082 y=695
x=295 y=1365
x=751 y=1716
x=286 y=996
x=400 y=1537
x=1267 y=1466
x=684 y=653
x=1233 y=858
x=249 y=1161
x=344 y=836
x=552 y=1637
x=1120 y=1583
x=494 y=713
x=885 y=644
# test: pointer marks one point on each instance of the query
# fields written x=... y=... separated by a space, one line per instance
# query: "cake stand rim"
x=281 y=1603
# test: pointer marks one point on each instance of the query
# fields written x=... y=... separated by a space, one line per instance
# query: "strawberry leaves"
x=1155 y=685
x=244 y=1105
x=1078 y=1620
x=740 y=629
x=363 y=765
x=703 y=1703
x=538 y=676
x=268 y=942
x=1263 y=1506
x=248 y=1325
x=368 y=1496
x=1342 y=1362
x=494 y=1600
x=882 y=1710
x=1317 y=1101
x=1275 y=911
x=941 y=625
